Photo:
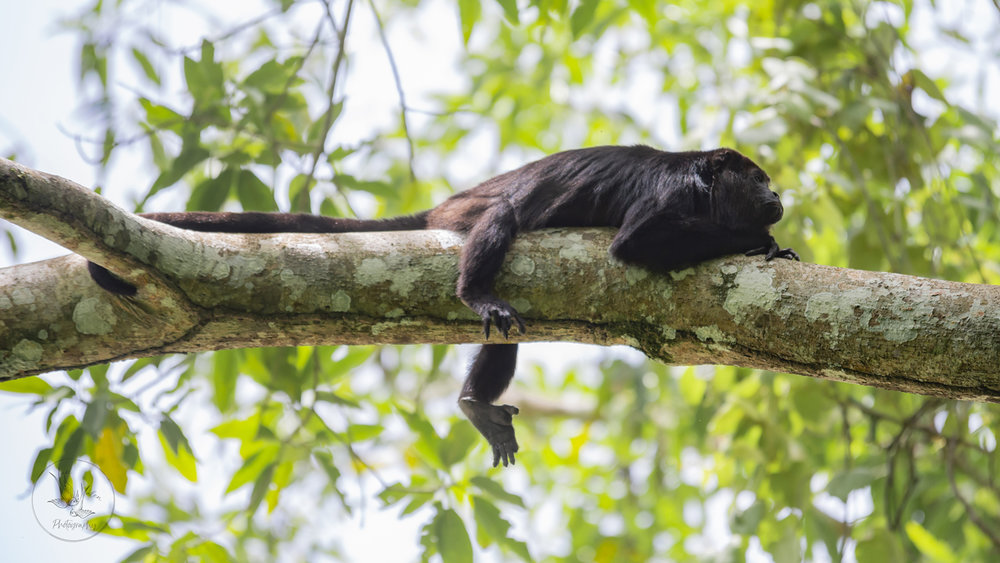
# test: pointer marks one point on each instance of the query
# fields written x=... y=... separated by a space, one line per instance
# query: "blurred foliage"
x=882 y=164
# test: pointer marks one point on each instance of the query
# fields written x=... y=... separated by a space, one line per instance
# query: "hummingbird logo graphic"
x=72 y=498
x=82 y=503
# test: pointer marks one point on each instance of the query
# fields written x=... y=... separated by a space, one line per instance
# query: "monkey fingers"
x=787 y=254
x=496 y=424
x=772 y=251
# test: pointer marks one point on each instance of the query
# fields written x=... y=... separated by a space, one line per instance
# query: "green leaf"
x=94 y=416
x=94 y=60
x=326 y=462
x=337 y=399
x=582 y=17
x=746 y=522
x=355 y=356
x=41 y=462
x=393 y=494
x=260 y=487
x=210 y=552
x=27 y=385
x=381 y=189
x=468 y=13
x=490 y=526
x=132 y=528
x=212 y=193
x=173 y=434
x=139 y=555
x=253 y=466
x=786 y=548
x=244 y=430
x=930 y=546
x=298 y=193
x=147 y=67
x=362 y=432
x=177 y=449
x=924 y=82
x=161 y=117
x=66 y=429
x=692 y=387
x=647 y=9
x=510 y=10
x=428 y=443
x=205 y=78
x=882 y=545
x=108 y=454
x=448 y=535
x=254 y=195
x=496 y=490
x=271 y=77
x=846 y=481
x=815 y=408
x=191 y=155
x=225 y=373
x=417 y=501
x=68 y=456
x=461 y=438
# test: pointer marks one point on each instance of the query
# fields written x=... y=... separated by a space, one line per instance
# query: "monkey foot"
x=501 y=314
x=495 y=423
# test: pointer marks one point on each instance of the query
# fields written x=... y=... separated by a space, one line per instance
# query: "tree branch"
x=206 y=291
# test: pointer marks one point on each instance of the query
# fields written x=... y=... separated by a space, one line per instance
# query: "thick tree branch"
x=201 y=291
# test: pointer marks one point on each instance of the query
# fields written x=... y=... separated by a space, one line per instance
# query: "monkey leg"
x=489 y=376
x=482 y=255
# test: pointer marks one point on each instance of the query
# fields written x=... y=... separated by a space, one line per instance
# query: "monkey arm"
x=489 y=375
x=485 y=247
x=483 y=252
x=666 y=243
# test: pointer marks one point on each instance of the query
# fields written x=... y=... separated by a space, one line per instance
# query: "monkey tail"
x=258 y=222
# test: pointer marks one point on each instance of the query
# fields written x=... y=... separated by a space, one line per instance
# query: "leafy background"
x=873 y=118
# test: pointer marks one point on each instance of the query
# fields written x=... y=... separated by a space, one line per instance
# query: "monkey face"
x=741 y=193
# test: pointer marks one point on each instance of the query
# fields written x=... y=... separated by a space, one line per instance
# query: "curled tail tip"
x=109 y=282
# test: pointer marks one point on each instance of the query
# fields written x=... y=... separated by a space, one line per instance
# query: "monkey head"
x=740 y=191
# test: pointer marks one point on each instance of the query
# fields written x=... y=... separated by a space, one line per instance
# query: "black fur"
x=673 y=210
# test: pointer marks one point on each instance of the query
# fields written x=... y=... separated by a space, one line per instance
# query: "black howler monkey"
x=673 y=210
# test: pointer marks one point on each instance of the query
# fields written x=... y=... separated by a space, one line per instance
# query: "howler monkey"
x=673 y=210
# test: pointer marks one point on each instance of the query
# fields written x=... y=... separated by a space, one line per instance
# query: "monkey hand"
x=499 y=313
x=772 y=251
x=496 y=424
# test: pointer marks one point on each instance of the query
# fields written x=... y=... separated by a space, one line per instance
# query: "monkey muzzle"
x=773 y=210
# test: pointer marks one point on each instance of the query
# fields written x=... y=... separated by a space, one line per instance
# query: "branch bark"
x=207 y=291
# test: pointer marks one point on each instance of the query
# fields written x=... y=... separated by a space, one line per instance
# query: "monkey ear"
x=723 y=158
x=715 y=162
x=708 y=169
